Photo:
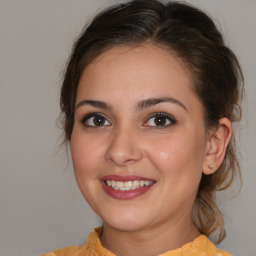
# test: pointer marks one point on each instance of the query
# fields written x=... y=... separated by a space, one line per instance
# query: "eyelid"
x=169 y=117
x=93 y=114
x=161 y=114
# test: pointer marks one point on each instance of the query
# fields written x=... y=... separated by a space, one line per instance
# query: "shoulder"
x=68 y=251
x=92 y=246
x=202 y=245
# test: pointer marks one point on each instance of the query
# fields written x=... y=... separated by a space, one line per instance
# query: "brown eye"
x=95 y=120
x=160 y=120
x=98 y=120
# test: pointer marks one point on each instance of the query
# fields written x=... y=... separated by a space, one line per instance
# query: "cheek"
x=167 y=152
x=85 y=154
x=178 y=155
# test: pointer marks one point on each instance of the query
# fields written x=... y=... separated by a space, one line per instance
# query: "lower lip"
x=127 y=194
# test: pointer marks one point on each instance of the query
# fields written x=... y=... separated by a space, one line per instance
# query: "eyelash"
x=93 y=115
x=167 y=117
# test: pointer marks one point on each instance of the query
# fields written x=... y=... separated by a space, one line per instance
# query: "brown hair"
x=194 y=38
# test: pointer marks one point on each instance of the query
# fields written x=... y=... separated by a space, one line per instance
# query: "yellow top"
x=201 y=246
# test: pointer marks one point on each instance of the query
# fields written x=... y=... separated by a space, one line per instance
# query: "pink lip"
x=124 y=195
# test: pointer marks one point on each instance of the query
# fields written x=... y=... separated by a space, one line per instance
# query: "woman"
x=148 y=99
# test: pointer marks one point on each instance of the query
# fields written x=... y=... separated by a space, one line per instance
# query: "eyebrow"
x=94 y=103
x=141 y=105
x=154 y=101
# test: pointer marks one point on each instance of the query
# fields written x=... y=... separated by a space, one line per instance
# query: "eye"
x=95 y=120
x=160 y=120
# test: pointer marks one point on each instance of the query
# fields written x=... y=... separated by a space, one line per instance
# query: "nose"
x=124 y=148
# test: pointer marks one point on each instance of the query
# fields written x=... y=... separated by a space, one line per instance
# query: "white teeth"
x=128 y=185
x=136 y=183
x=147 y=183
x=109 y=183
x=119 y=184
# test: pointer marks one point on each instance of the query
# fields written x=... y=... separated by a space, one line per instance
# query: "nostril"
x=123 y=158
x=123 y=149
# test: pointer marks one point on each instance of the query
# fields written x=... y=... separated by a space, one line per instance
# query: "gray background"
x=41 y=208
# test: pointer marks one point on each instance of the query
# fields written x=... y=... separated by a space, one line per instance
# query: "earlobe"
x=216 y=146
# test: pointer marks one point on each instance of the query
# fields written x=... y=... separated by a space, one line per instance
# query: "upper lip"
x=124 y=178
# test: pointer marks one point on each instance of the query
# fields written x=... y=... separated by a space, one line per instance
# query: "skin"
x=129 y=142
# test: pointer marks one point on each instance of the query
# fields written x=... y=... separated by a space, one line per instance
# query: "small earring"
x=210 y=166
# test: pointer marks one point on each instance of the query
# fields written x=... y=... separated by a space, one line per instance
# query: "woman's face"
x=138 y=143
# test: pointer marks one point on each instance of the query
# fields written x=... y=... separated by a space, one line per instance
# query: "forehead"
x=145 y=70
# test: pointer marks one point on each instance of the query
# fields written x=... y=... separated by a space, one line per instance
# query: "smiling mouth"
x=128 y=185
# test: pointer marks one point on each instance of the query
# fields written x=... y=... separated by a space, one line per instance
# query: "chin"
x=129 y=225
x=129 y=220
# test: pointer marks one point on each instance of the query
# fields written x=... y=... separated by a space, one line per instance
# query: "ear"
x=217 y=143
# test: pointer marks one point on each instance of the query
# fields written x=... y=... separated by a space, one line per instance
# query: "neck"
x=149 y=241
